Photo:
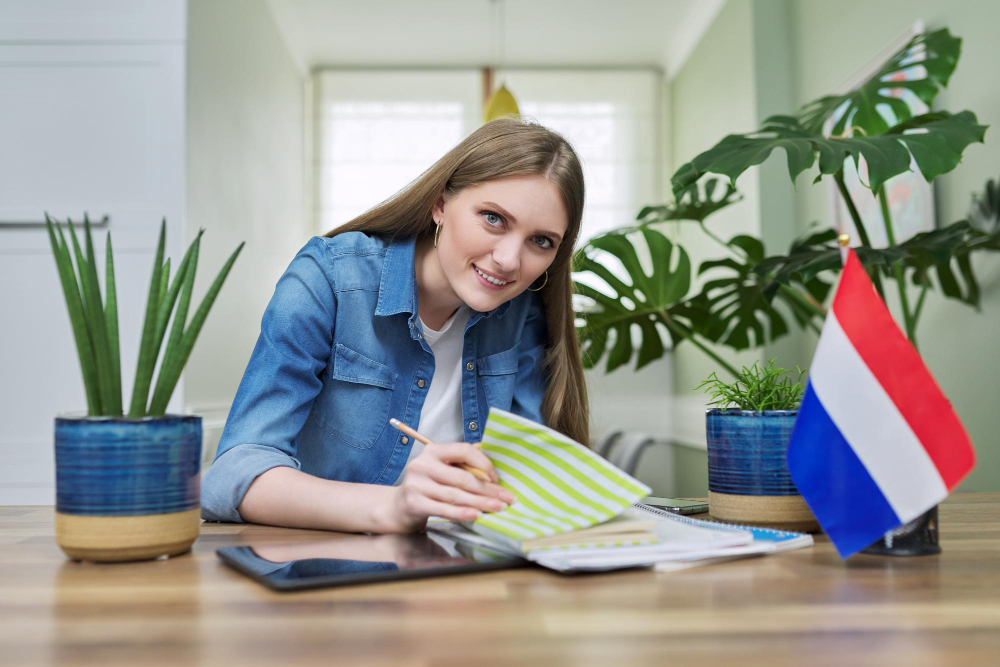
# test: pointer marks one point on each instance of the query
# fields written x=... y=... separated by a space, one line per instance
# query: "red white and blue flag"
x=876 y=443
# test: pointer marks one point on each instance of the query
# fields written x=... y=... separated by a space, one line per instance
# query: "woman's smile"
x=490 y=280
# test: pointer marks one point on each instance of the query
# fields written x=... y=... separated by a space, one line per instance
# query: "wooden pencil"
x=413 y=433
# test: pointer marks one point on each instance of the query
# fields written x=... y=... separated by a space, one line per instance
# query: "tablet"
x=345 y=560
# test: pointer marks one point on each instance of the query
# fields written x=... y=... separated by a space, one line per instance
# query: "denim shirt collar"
x=397 y=291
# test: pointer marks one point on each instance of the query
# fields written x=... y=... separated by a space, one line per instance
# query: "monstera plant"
x=747 y=295
x=640 y=299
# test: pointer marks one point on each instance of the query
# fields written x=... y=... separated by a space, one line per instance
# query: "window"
x=377 y=130
x=612 y=120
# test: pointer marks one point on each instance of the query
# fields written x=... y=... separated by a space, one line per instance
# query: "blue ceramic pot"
x=746 y=451
x=748 y=479
x=127 y=489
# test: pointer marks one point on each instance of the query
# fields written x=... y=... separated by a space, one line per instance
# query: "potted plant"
x=747 y=434
x=127 y=485
x=749 y=294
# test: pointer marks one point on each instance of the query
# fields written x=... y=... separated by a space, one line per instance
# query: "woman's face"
x=498 y=237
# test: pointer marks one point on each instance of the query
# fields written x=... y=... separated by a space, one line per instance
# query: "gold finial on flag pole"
x=845 y=241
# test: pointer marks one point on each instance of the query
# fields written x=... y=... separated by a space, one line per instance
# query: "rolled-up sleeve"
x=532 y=379
x=279 y=385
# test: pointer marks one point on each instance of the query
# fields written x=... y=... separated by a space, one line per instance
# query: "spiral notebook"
x=781 y=540
x=574 y=510
x=682 y=542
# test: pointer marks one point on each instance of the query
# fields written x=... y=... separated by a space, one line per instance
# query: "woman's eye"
x=543 y=241
x=488 y=215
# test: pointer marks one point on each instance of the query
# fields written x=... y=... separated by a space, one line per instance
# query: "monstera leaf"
x=984 y=214
x=935 y=250
x=643 y=300
x=694 y=204
x=741 y=304
x=806 y=261
x=938 y=252
x=936 y=53
x=807 y=258
x=935 y=141
x=952 y=246
x=891 y=132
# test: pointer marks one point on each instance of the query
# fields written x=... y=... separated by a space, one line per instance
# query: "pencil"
x=413 y=433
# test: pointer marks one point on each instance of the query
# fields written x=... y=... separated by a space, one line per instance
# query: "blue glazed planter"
x=746 y=451
x=748 y=479
x=127 y=489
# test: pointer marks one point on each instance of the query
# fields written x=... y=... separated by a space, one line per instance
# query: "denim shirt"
x=341 y=351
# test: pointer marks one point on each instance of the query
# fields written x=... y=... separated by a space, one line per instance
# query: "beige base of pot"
x=121 y=538
x=783 y=512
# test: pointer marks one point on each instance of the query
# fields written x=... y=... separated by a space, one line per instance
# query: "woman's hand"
x=434 y=486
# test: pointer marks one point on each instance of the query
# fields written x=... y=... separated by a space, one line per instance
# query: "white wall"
x=91 y=120
x=118 y=107
x=246 y=181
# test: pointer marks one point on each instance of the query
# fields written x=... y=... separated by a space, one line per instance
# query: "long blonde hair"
x=509 y=147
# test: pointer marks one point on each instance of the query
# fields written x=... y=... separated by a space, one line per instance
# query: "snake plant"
x=95 y=321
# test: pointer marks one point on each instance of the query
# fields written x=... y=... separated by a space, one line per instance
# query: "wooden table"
x=802 y=607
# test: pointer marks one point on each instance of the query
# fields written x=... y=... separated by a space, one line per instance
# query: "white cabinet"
x=96 y=129
x=91 y=120
x=93 y=20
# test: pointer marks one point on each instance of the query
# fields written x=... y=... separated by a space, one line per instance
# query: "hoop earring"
x=544 y=283
x=437 y=231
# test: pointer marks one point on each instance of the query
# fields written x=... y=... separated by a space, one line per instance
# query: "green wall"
x=768 y=56
x=690 y=473
x=713 y=95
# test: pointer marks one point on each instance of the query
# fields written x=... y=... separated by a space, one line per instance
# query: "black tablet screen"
x=350 y=559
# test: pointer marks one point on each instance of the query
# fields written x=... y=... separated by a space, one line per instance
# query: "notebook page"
x=781 y=539
x=673 y=537
x=558 y=484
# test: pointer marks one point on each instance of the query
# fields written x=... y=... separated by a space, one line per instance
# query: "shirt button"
x=469 y=366
x=421 y=383
x=420 y=336
x=473 y=426
x=404 y=440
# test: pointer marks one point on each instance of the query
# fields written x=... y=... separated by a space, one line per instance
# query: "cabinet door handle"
x=103 y=222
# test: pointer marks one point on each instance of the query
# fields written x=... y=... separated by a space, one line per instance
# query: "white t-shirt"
x=441 y=416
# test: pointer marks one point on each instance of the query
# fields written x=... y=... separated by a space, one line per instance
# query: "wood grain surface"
x=805 y=607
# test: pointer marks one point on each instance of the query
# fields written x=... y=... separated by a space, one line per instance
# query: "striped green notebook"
x=565 y=494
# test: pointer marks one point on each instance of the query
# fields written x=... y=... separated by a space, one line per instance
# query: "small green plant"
x=755 y=388
x=95 y=322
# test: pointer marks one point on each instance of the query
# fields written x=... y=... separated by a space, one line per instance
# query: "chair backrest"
x=608 y=442
x=623 y=448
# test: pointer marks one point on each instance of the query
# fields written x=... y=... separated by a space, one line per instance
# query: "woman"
x=449 y=298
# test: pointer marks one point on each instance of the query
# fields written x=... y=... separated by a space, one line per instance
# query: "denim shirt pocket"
x=498 y=372
x=356 y=408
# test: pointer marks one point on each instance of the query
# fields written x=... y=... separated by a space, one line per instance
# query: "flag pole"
x=862 y=359
x=919 y=536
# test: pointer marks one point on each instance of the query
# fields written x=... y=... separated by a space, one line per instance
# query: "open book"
x=565 y=494
x=575 y=511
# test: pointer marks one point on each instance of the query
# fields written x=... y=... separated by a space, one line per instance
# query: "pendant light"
x=501 y=102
